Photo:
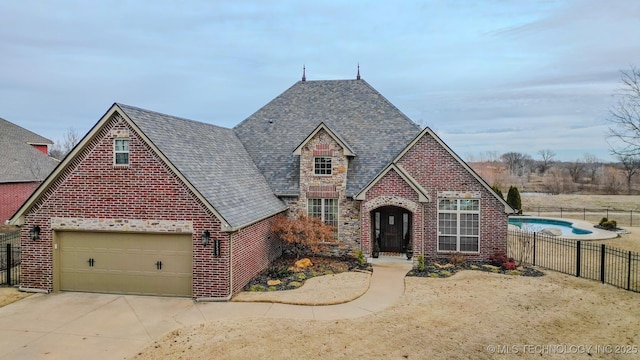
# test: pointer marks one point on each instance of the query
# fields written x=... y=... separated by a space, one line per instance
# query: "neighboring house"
x=24 y=164
x=149 y=203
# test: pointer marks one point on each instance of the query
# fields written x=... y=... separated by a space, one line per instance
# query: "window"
x=459 y=225
x=325 y=209
x=322 y=165
x=121 y=151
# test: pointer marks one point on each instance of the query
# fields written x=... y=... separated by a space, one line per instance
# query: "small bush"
x=457 y=258
x=257 y=288
x=279 y=272
x=499 y=258
x=421 y=266
x=608 y=224
x=360 y=258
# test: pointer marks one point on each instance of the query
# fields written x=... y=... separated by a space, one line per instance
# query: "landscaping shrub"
x=456 y=258
x=513 y=199
x=608 y=224
x=302 y=233
x=499 y=258
x=421 y=265
x=497 y=190
x=360 y=258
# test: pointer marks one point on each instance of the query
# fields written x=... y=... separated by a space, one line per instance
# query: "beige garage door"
x=125 y=263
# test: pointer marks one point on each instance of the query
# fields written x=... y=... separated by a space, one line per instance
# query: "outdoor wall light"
x=34 y=232
x=206 y=240
x=206 y=237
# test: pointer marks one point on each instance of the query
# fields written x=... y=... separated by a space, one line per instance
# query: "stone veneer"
x=126 y=225
x=318 y=186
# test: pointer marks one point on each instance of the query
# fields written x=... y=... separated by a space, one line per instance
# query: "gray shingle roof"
x=19 y=161
x=374 y=128
x=214 y=161
x=14 y=131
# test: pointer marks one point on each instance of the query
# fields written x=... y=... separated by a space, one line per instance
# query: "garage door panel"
x=126 y=263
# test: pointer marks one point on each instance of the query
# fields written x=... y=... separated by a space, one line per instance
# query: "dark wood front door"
x=391 y=228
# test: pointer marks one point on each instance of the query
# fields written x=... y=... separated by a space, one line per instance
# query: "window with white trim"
x=322 y=165
x=459 y=225
x=121 y=151
x=325 y=209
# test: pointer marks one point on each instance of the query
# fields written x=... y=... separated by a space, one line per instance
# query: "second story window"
x=322 y=165
x=121 y=151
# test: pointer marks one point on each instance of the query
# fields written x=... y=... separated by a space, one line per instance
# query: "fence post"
x=631 y=218
x=561 y=212
x=629 y=272
x=607 y=213
x=534 y=249
x=578 y=258
x=584 y=213
x=8 y=264
x=602 y=258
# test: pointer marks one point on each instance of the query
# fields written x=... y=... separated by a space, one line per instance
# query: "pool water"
x=538 y=224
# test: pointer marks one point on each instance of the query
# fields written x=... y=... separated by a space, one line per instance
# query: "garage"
x=124 y=263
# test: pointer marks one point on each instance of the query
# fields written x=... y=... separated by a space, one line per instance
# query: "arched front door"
x=391 y=228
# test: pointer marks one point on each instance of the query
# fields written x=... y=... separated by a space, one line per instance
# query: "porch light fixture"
x=34 y=232
x=206 y=240
x=206 y=237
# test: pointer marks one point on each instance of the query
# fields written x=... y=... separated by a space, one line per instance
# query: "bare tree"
x=625 y=115
x=611 y=184
x=60 y=149
x=514 y=162
x=591 y=166
x=576 y=170
x=630 y=166
x=547 y=158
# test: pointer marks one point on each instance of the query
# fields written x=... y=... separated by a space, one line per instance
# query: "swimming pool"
x=538 y=224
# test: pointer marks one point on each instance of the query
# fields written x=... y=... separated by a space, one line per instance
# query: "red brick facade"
x=13 y=195
x=91 y=187
x=437 y=171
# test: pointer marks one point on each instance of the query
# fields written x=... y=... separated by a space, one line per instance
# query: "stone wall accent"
x=126 y=225
x=333 y=187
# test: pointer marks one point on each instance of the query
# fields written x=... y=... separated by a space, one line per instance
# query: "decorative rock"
x=303 y=263
x=274 y=282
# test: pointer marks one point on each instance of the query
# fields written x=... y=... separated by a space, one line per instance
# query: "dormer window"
x=322 y=165
x=121 y=151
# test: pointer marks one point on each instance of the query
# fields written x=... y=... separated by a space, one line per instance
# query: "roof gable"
x=207 y=159
x=428 y=132
x=11 y=130
x=423 y=196
x=346 y=148
x=368 y=123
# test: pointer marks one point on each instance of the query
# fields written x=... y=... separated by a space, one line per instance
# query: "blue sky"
x=487 y=76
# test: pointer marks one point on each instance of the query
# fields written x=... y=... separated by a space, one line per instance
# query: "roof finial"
x=304 y=73
x=358 y=76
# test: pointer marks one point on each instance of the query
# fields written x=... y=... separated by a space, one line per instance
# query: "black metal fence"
x=581 y=258
x=622 y=217
x=10 y=258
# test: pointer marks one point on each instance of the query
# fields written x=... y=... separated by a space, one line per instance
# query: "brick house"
x=153 y=204
x=24 y=164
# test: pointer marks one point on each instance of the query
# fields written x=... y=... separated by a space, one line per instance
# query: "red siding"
x=12 y=196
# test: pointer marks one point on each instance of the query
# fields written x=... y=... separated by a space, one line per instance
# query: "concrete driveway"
x=84 y=326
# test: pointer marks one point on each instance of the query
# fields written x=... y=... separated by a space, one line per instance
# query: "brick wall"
x=91 y=187
x=254 y=248
x=437 y=171
x=12 y=196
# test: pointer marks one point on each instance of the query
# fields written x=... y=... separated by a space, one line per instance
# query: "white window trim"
x=322 y=212
x=330 y=168
x=115 y=152
x=457 y=235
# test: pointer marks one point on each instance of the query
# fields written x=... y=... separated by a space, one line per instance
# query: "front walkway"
x=71 y=325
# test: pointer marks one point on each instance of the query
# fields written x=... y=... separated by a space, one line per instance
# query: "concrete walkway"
x=101 y=326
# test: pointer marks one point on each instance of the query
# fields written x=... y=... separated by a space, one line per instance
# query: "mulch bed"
x=438 y=270
x=282 y=269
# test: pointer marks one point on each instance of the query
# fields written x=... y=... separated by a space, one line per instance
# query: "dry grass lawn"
x=462 y=317
x=11 y=294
